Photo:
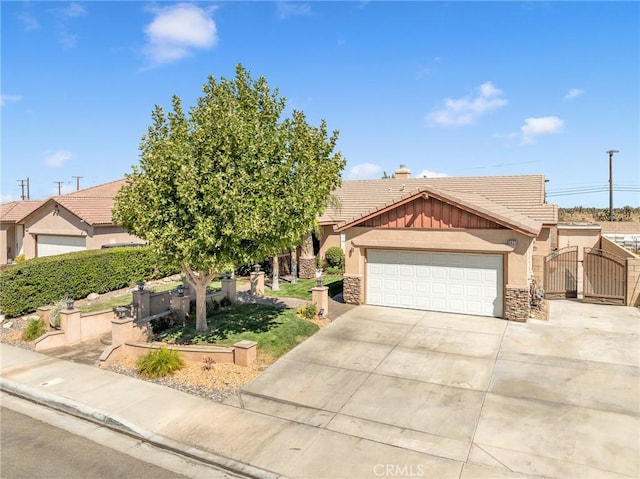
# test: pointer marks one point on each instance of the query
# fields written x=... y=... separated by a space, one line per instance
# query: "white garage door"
x=49 y=245
x=451 y=282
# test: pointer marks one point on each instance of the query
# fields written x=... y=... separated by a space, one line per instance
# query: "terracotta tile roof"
x=93 y=205
x=512 y=198
x=16 y=210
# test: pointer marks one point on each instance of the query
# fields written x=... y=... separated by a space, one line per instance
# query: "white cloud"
x=6 y=99
x=466 y=110
x=287 y=9
x=57 y=159
x=430 y=174
x=574 y=93
x=73 y=10
x=534 y=127
x=29 y=22
x=364 y=171
x=178 y=30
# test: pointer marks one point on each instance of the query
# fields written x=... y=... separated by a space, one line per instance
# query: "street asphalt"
x=384 y=392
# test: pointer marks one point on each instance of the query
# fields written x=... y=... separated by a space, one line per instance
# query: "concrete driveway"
x=463 y=396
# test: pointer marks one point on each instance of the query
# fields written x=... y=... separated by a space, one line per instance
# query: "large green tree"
x=230 y=183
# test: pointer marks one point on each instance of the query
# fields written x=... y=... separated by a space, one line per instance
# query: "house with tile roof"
x=467 y=245
x=62 y=224
x=11 y=230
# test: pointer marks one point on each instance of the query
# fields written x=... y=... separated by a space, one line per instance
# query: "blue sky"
x=446 y=88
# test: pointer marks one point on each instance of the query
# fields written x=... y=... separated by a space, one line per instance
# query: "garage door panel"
x=451 y=282
x=50 y=245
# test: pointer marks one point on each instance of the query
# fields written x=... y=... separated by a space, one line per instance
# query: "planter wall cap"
x=245 y=344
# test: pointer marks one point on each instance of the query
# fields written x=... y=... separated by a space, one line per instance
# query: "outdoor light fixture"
x=512 y=242
x=319 y=276
x=121 y=312
x=69 y=303
x=180 y=290
x=256 y=268
x=140 y=285
x=227 y=274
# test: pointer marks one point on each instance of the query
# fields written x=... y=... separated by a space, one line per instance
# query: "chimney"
x=403 y=172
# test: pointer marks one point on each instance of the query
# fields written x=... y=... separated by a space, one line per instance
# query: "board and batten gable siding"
x=429 y=213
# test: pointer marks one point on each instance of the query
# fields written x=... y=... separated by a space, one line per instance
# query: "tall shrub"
x=42 y=281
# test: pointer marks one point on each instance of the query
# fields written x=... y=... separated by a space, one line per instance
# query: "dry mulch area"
x=215 y=381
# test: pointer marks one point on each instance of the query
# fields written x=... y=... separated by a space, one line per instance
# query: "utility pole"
x=59 y=183
x=22 y=185
x=28 y=192
x=77 y=181
x=610 y=153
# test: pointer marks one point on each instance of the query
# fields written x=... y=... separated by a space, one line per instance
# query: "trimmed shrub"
x=308 y=311
x=34 y=329
x=41 y=281
x=334 y=257
x=159 y=363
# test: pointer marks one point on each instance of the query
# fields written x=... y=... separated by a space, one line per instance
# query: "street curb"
x=82 y=411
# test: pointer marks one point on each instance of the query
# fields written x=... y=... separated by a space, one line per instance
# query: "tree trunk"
x=294 y=267
x=275 y=281
x=199 y=280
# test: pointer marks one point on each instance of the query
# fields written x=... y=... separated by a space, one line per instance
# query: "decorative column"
x=257 y=283
x=229 y=287
x=70 y=324
x=307 y=259
x=141 y=297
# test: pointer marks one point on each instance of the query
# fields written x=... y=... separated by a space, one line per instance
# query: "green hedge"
x=41 y=281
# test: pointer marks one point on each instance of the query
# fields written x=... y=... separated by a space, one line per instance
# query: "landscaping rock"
x=93 y=296
x=7 y=325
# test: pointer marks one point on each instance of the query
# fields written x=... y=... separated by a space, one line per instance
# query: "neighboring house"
x=63 y=224
x=11 y=230
x=455 y=244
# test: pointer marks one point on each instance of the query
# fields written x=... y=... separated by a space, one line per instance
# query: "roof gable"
x=438 y=209
x=15 y=211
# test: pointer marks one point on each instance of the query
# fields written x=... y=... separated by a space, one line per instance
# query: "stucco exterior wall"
x=7 y=242
x=50 y=220
x=329 y=239
x=580 y=237
x=516 y=266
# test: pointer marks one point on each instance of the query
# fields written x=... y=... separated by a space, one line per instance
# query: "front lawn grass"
x=302 y=289
x=275 y=330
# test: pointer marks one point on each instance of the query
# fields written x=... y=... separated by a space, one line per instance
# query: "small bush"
x=19 y=259
x=34 y=329
x=334 y=257
x=225 y=302
x=159 y=363
x=308 y=311
x=212 y=306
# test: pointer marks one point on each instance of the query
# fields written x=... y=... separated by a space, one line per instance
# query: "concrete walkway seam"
x=74 y=408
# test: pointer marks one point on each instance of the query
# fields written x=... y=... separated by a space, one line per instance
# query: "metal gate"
x=604 y=277
x=561 y=273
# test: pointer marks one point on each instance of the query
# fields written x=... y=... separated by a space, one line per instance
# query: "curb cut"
x=82 y=411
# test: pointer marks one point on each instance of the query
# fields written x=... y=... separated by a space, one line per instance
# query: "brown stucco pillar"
x=257 y=283
x=142 y=299
x=70 y=323
x=320 y=297
x=229 y=288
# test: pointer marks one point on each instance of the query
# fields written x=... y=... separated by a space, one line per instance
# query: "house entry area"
x=465 y=283
x=603 y=278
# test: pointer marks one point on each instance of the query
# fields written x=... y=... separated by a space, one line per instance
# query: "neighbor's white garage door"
x=451 y=282
x=49 y=245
